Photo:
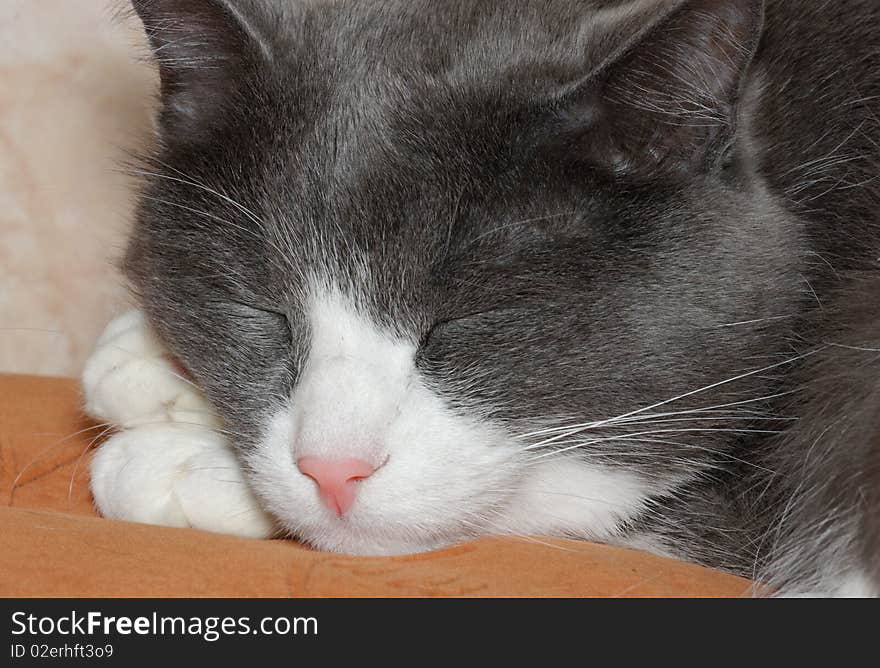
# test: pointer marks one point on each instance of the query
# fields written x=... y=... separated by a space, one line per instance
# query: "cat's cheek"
x=566 y=496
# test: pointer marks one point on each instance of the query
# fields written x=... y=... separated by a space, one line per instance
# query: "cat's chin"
x=374 y=544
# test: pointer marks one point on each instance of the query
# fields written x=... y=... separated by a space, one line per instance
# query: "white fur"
x=852 y=585
x=177 y=476
x=167 y=465
x=129 y=381
x=566 y=497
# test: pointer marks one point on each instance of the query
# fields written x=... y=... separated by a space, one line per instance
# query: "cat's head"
x=462 y=267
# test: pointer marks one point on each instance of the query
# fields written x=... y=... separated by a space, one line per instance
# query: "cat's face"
x=442 y=276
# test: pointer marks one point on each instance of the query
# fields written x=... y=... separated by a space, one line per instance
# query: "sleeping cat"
x=584 y=268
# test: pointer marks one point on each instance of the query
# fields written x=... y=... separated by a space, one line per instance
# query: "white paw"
x=176 y=475
x=168 y=465
x=129 y=379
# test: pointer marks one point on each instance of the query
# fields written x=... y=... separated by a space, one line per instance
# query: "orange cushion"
x=52 y=543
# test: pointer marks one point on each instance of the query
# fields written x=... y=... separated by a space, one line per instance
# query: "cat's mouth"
x=178 y=367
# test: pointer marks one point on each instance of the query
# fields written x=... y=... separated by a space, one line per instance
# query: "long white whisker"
x=578 y=428
x=651 y=433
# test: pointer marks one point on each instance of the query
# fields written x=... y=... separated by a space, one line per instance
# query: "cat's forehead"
x=455 y=34
x=352 y=61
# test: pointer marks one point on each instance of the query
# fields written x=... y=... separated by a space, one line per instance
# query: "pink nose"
x=336 y=479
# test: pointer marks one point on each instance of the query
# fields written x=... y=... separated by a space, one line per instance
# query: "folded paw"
x=176 y=475
x=130 y=379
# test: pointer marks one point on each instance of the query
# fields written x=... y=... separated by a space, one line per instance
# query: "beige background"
x=75 y=96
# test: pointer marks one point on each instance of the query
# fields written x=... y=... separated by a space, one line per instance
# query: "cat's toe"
x=176 y=475
x=129 y=379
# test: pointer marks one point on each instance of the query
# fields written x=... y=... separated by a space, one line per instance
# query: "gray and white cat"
x=584 y=268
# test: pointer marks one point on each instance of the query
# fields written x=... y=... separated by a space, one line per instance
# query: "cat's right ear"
x=665 y=101
x=204 y=49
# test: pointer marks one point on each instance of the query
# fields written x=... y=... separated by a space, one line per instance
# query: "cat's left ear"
x=205 y=50
x=667 y=103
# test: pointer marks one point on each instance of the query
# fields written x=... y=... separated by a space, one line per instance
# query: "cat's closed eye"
x=253 y=316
